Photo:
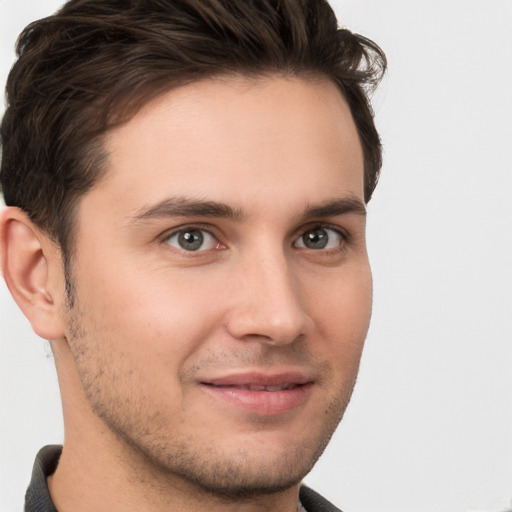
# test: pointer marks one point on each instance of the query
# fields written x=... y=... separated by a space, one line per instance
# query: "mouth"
x=262 y=394
x=256 y=387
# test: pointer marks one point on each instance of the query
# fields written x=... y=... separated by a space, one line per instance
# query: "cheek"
x=153 y=315
x=343 y=313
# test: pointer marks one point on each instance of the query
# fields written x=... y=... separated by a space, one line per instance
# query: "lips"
x=260 y=393
x=255 y=387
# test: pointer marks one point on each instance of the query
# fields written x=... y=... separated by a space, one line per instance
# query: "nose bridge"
x=268 y=304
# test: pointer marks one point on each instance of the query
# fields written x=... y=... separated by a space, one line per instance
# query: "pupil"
x=316 y=238
x=191 y=240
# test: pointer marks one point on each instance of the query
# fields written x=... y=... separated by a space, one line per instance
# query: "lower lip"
x=262 y=402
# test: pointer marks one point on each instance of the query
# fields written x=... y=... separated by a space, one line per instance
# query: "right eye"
x=192 y=239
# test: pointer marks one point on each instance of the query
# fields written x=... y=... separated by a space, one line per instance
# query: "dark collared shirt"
x=37 y=498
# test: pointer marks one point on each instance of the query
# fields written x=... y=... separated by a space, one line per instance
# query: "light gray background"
x=430 y=424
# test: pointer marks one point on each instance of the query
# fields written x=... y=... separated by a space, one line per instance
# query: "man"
x=186 y=186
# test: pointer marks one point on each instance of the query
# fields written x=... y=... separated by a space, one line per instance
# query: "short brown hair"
x=94 y=63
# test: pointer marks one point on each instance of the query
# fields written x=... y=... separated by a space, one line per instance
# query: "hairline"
x=99 y=157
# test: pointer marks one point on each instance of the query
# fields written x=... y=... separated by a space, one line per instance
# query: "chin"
x=239 y=470
x=246 y=477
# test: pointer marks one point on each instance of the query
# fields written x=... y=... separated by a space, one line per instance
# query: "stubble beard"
x=161 y=454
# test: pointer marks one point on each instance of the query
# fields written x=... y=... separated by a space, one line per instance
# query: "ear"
x=28 y=259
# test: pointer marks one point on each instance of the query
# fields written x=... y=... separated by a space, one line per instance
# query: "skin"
x=155 y=326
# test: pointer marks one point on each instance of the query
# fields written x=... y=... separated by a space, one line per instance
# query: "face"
x=221 y=280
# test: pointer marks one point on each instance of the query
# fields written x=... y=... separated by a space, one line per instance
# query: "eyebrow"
x=185 y=207
x=335 y=207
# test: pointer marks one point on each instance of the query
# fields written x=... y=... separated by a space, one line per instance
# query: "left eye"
x=192 y=240
x=320 y=238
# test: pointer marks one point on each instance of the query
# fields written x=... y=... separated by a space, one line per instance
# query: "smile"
x=259 y=393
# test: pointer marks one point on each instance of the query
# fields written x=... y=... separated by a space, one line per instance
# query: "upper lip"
x=255 y=378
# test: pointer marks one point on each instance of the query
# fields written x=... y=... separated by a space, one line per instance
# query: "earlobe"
x=26 y=257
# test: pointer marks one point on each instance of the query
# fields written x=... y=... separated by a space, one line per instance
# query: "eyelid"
x=325 y=225
x=189 y=225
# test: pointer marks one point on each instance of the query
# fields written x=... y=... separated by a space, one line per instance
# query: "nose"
x=267 y=304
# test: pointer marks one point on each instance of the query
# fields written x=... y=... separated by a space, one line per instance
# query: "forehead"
x=236 y=140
